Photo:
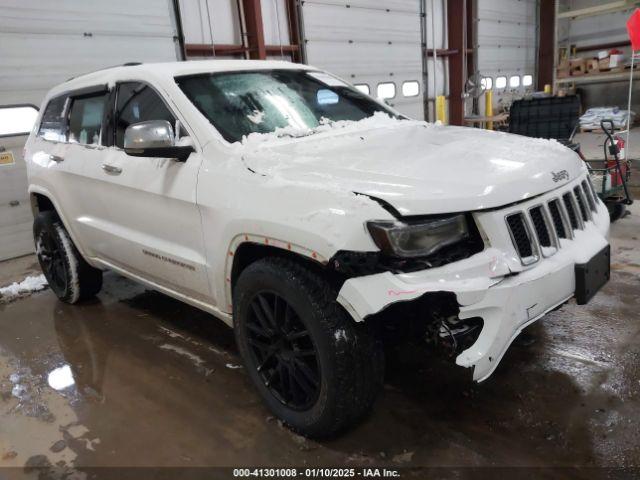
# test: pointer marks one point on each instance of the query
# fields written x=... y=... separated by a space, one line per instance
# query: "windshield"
x=241 y=103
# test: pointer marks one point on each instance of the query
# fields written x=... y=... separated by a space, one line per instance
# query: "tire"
x=346 y=359
x=69 y=276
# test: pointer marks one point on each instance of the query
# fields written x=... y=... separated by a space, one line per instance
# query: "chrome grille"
x=568 y=205
x=536 y=232
x=540 y=226
x=582 y=204
x=522 y=238
x=589 y=194
x=558 y=222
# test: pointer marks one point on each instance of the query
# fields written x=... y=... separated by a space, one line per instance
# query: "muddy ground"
x=135 y=378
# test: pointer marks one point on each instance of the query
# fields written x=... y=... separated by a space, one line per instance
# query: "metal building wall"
x=211 y=21
x=43 y=42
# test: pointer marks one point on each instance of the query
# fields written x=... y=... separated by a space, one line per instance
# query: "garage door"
x=507 y=45
x=374 y=45
x=43 y=43
x=15 y=213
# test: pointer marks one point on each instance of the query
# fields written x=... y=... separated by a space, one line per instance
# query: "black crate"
x=550 y=117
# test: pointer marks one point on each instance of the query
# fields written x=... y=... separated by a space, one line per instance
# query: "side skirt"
x=225 y=317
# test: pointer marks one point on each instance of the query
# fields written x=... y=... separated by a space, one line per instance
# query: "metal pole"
x=627 y=146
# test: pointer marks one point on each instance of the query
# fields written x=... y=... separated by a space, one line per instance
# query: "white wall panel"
x=276 y=23
x=207 y=21
x=43 y=43
x=507 y=37
x=368 y=42
x=16 y=220
x=438 y=67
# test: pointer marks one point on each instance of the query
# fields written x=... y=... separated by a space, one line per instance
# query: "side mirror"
x=154 y=138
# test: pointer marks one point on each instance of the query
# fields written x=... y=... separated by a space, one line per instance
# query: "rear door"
x=16 y=121
x=84 y=146
x=144 y=216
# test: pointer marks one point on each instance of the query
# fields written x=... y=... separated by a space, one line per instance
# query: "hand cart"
x=610 y=176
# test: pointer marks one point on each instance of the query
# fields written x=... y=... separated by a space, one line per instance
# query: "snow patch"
x=377 y=120
x=340 y=335
x=256 y=117
x=73 y=263
x=233 y=366
x=27 y=286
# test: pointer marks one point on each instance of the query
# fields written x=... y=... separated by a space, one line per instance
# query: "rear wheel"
x=315 y=368
x=70 y=277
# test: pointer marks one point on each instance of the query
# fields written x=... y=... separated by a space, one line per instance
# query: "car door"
x=145 y=218
x=59 y=165
x=83 y=146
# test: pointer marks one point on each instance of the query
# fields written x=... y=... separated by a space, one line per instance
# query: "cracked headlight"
x=418 y=239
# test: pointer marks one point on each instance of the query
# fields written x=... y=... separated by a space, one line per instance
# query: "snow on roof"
x=171 y=69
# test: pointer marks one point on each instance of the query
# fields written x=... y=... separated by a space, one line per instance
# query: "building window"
x=363 y=87
x=17 y=119
x=501 y=82
x=527 y=80
x=411 y=88
x=514 y=82
x=487 y=83
x=386 y=90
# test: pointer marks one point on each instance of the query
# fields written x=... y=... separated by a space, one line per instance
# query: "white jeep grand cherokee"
x=313 y=219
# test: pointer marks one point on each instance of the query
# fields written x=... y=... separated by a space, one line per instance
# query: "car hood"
x=421 y=168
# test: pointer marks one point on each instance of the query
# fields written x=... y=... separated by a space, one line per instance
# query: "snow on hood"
x=417 y=167
x=377 y=120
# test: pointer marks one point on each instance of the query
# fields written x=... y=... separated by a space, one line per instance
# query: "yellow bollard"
x=440 y=109
x=488 y=107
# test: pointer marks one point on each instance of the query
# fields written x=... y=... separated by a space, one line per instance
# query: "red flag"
x=633 y=27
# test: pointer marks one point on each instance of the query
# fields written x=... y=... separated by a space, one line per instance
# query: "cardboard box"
x=564 y=72
x=578 y=66
x=603 y=64
x=616 y=61
x=593 y=65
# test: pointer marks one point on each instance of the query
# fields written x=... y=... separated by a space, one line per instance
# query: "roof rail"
x=128 y=64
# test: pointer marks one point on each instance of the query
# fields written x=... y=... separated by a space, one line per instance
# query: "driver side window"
x=138 y=102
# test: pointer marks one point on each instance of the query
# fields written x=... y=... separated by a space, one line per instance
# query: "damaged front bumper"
x=492 y=285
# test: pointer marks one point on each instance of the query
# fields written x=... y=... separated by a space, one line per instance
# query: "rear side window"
x=52 y=124
x=85 y=119
x=138 y=102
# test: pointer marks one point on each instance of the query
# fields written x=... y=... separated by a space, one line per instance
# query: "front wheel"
x=70 y=277
x=314 y=367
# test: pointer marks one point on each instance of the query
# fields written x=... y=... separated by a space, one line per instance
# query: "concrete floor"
x=135 y=378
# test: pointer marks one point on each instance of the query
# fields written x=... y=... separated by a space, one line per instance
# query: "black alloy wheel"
x=52 y=262
x=70 y=277
x=283 y=350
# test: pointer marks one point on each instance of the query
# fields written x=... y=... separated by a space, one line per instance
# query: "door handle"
x=111 y=169
x=56 y=158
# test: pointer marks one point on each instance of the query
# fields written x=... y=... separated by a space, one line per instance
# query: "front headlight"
x=419 y=239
